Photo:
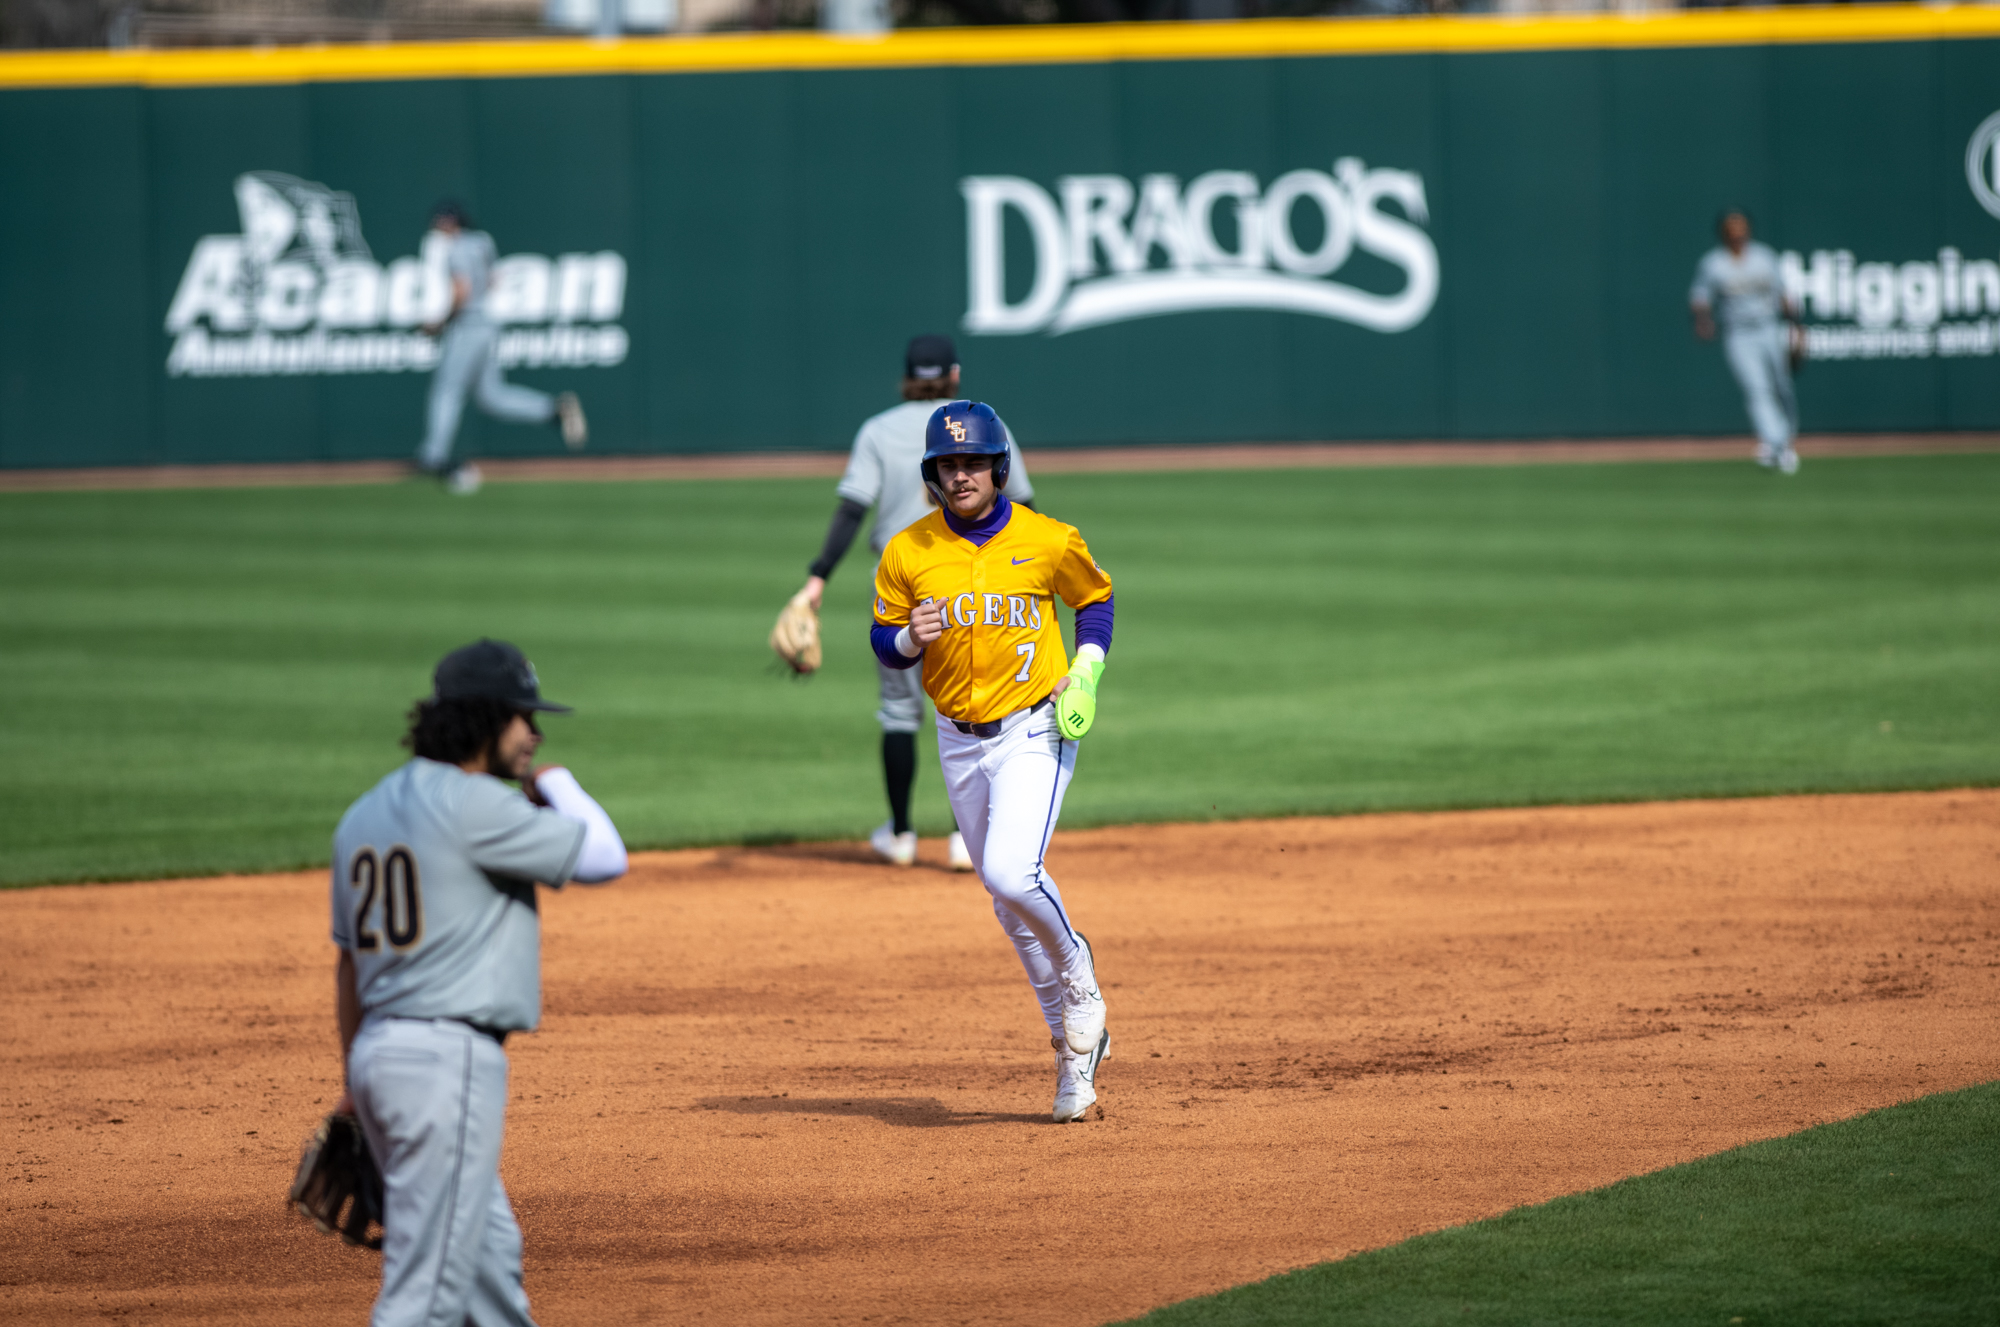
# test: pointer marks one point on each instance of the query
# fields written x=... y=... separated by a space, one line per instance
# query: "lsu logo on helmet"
x=963 y=428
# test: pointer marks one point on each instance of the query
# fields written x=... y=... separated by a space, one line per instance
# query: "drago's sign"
x=1104 y=250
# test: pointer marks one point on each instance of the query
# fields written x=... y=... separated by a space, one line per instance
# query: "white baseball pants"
x=432 y=1096
x=1007 y=793
x=1761 y=359
x=467 y=365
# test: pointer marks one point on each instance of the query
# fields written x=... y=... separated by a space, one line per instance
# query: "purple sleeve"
x=1093 y=625
x=884 y=640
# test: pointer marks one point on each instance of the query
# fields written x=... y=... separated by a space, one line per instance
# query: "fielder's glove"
x=1076 y=707
x=336 y=1172
x=795 y=638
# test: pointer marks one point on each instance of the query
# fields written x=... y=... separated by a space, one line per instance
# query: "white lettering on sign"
x=1910 y=310
x=1110 y=251
x=299 y=292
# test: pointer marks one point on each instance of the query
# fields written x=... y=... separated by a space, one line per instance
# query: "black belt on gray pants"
x=993 y=729
x=499 y=1035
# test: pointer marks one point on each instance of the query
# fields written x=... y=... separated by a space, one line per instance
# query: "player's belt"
x=483 y=1029
x=997 y=726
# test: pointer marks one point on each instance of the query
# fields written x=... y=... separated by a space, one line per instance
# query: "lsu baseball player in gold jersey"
x=968 y=594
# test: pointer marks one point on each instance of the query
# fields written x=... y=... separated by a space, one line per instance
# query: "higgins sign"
x=1947 y=306
x=1105 y=250
x=299 y=292
x=1913 y=310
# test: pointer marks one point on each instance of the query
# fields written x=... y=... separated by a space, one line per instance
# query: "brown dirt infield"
x=790 y=1085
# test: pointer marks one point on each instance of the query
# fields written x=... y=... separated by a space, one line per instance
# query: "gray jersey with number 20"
x=433 y=893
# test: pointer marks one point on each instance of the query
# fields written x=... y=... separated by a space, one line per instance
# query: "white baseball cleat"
x=1788 y=462
x=575 y=428
x=1076 y=1079
x=1083 y=1003
x=464 y=480
x=955 y=852
x=900 y=849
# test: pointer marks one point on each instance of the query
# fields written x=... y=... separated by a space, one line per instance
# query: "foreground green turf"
x=201 y=681
x=1888 y=1218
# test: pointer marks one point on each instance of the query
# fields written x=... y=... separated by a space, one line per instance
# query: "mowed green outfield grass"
x=201 y=681
x=1886 y=1218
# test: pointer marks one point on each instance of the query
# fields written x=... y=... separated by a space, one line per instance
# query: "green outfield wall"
x=1234 y=234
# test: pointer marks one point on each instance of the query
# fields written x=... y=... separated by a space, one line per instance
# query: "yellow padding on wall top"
x=1026 y=45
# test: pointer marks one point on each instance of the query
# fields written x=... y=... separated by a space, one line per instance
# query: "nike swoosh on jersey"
x=1019 y=561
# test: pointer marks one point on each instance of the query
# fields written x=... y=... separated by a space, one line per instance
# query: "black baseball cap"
x=452 y=209
x=491 y=670
x=929 y=356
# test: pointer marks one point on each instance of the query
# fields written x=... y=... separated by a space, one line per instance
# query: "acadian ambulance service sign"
x=1947 y=305
x=1104 y=250
x=299 y=292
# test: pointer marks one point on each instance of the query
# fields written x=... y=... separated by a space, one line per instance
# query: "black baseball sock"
x=899 y=771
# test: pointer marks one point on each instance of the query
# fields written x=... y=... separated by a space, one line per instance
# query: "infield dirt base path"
x=794 y=1086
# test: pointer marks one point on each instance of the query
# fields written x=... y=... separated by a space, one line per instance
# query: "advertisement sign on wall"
x=1111 y=251
x=298 y=291
x=1948 y=305
x=1473 y=243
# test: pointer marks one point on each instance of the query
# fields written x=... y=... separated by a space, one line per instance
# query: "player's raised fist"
x=927 y=621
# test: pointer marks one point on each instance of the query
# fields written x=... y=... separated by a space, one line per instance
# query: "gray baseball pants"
x=432 y=1099
x=468 y=366
x=1761 y=359
x=902 y=709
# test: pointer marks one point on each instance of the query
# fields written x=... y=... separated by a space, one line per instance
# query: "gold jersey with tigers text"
x=1002 y=647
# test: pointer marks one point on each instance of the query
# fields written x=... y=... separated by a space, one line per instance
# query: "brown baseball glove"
x=337 y=1172
x=795 y=637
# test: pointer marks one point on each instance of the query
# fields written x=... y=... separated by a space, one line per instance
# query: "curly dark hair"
x=454 y=731
x=941 y=388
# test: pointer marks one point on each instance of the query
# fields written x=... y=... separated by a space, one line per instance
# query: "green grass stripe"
x=1886 y=1218
x=203 y=680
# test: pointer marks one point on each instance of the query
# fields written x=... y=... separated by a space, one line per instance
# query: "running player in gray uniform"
x=884 y=471
x=1757 y=322
x=467 y=363
x=434 y=913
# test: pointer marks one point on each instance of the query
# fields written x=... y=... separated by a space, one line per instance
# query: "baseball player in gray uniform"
x=467 y=364
x=884 y=471
x=1757 y=318
x=434 y=913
